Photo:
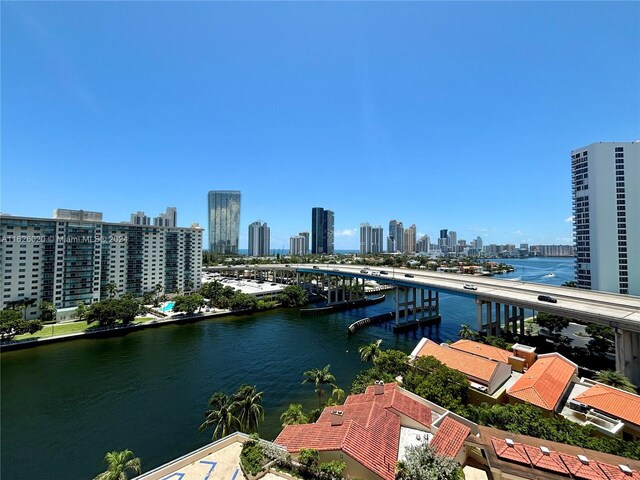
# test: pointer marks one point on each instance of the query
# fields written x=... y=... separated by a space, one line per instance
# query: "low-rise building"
x=609 y=410
x=546 y=383
x=484 y=374
x=372 y=431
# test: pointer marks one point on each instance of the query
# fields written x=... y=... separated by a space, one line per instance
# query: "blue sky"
x=447 y=115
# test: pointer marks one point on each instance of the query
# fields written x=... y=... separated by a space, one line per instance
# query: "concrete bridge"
x=500 y=303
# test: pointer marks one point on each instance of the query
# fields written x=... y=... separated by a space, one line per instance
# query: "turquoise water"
x=64 y=405
x=168 y=307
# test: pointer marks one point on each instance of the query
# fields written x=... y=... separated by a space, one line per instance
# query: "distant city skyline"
x=428 y=112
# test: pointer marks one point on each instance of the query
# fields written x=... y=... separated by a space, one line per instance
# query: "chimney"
x=584 y=460
x=336 y=418
x=378 y=387
x=625 y=469
x=545 y=450
x=509 y=442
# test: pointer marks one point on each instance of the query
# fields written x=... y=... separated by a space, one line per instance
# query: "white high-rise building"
x=139 y=218
x=305 y=235
x=365 y=238
x=75 y=256
x=167 y=219
x=259 y=239
x=605 y=180
x=423 y=245
x=297 y=245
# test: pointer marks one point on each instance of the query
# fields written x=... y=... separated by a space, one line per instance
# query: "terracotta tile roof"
x=591 y=471
x=515 y=453
x=550 y=462
x=612 y=401
x=483 y=350
x=396 y=401
x=471 y=365
x=561 y=461
x=370 y=432
x=545 y=382
x=613 y=472
x=450 y=437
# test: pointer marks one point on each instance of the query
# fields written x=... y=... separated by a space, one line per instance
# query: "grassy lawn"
x=51 y=330
x=66 y=328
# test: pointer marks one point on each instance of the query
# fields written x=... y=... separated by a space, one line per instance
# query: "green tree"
x=112 y=289
x=554 y=323
x=571 y=284
x=120 y=465
x=442 y=385
x=81 y=311
x=188 y=303
x=293 y=296
x=393 y=362
x=247 y=402
x=48 y=310
x=615 y=379
x=370 y=351
x=467 y=333
x=220 y=416
x=12 y=324
x=422 y=463
x=294 y=415
x=319 y=377
x=108 y=312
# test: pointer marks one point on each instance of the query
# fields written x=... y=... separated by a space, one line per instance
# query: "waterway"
x=64 y=405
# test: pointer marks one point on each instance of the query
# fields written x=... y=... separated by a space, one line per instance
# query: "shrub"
x=309 y=458
x=252 y=458
x=332 y=469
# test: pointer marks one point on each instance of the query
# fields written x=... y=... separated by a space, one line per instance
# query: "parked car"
x=469 y=286
x=547 y=298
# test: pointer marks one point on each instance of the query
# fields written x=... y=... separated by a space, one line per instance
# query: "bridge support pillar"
x=397 y=306
x=521 y=318
x=422 y=304
x=413 y=299
x=628 y=354
x=498 y=320
x=478 y=312
x=344 y=289
x=489 y=318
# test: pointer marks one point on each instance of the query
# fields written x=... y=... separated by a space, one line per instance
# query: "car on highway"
x=287 y=265
x=384 y=272
x=316 y=267
x=469 y=286
x=364 y=271
x=409 y=275
x=547 y=298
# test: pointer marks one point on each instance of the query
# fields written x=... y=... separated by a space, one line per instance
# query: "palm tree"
x=615 y=379
x=119 y=465
x=247 y=403
x=294 y=415
x=112 y=289
x=220 y=416
x=370 y=351
x=466 y=332
x=319 y=377
x=157 y=289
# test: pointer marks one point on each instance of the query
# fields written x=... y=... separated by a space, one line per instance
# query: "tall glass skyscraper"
x=321 y=230
x=224 y=221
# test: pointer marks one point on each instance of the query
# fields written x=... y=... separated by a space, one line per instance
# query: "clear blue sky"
x=446 y=115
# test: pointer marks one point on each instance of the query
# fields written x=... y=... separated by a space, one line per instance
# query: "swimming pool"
x=168 y=307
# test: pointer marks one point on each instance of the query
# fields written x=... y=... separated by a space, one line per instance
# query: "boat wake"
x=549 y=275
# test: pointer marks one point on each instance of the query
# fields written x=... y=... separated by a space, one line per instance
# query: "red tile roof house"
x=546 y=383
x=371 y=430
x=605 y=407
x=484 y=374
